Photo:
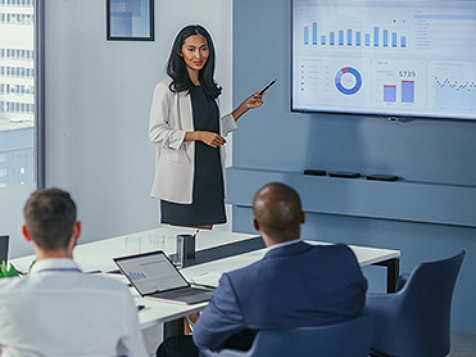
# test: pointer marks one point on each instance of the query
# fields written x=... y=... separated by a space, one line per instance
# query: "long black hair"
x=177 y=69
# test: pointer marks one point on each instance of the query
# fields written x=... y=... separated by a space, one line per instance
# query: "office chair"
x=344 y=339
x=415 y=321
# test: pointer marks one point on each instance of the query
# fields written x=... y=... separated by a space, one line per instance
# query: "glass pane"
x=17 y=93
x=17 y=117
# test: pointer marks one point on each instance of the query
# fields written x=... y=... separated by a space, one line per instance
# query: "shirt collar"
x=284 y=244
x=53 y=263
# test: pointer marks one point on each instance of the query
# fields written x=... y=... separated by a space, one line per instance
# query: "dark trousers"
x=182 y=346
x=178 y=346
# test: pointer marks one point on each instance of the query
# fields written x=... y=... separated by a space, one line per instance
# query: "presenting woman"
x=188 y=130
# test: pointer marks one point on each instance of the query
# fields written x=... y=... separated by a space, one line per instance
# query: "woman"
x=186 y=127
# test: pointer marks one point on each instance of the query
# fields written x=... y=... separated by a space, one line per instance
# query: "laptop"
x=154 y=276
x=3 y=249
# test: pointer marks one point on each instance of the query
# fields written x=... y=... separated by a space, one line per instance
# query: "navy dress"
x=207 y=207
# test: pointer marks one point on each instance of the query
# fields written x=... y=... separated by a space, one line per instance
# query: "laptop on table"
x=153 y=275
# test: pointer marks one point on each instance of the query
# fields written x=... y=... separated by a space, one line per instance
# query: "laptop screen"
x=151 y=272
x=3 y=248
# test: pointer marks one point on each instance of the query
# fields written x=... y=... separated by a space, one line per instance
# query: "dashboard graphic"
x=348 y=80
x=392 y=58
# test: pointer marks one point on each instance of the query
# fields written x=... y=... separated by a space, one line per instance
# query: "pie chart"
x=348 y=80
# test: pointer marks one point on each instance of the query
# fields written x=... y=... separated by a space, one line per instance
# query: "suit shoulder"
x=163 y=87
x=339 y=250
x=243 y=272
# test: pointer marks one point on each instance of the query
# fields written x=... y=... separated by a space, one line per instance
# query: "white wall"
x=12 y=200
x=98 y=95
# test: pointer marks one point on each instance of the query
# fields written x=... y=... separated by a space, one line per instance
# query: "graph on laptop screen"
x=151 y=273
x=390 y=58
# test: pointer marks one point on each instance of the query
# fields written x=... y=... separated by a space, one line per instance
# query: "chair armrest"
x=383 y=304
x=402 y=280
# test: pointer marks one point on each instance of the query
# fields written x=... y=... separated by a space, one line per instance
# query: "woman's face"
x=195 y=52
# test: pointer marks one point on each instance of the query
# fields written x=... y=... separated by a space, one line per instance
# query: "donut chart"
x=357 y=80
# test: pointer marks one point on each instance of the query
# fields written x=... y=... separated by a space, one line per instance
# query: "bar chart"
x=378 y=37
x=136 y=275
x=407 y=92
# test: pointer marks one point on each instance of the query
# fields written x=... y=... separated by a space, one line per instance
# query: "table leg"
x=173 y=328
x=393 y=271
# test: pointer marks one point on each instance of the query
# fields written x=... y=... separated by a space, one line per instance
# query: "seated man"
x=295 y=284
x=56 y=309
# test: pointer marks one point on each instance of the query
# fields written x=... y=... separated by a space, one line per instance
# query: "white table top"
x=98 y=256
x=210 y=273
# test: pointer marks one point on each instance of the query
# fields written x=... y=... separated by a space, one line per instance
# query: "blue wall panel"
x=430 y=153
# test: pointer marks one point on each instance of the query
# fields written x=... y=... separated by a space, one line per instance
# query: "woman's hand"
x=207 y=137
x=211 y=139
x=253 y=101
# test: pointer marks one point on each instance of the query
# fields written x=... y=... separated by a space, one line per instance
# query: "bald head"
x=278 y=213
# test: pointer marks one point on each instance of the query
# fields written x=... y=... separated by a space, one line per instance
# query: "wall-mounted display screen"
x=390 y=58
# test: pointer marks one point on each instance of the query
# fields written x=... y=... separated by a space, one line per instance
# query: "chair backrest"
x=428 y=295
x=344 y=339
x=423 y=315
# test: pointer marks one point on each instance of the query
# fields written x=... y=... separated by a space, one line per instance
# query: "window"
x=17 y=93
x=19 y=119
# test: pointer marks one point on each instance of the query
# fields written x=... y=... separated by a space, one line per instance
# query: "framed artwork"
x=130 y=20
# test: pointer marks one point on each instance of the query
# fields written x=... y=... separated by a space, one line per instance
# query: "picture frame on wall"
x=130 y=20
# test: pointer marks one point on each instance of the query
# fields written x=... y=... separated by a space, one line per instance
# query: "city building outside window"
x=17 y=93
x=21 y=113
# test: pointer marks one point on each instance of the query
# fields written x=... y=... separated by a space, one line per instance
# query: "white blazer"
x=171 y=116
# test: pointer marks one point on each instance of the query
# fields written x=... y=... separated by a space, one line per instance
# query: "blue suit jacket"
x=293 y=285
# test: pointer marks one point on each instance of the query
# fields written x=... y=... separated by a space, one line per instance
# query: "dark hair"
x=177 y=69
x=50 y=214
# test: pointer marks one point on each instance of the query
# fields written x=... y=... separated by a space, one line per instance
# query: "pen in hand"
x=267 y=87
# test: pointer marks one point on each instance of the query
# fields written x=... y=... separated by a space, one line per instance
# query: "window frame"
x=39 y=47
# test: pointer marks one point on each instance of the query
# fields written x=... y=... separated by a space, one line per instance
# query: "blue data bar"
x=385 y=38
x=314 y=33
x=357 y=38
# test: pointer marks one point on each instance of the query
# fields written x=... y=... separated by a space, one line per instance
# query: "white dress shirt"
x=59 y=311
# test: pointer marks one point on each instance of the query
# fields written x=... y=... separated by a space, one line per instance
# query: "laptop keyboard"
x=181 y=293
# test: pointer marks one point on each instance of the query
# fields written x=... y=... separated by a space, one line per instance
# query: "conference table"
x=217 y=252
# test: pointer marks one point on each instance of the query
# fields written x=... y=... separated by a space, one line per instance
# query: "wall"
x=98 y=95
x=279 y=144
